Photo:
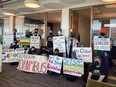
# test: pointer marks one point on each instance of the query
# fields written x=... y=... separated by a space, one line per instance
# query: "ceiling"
x=17 y=6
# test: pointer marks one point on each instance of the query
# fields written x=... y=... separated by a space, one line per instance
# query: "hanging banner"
x=35 y=41
x=11 y=55
x=7 y=39
x=59 y=43
x=20 y=35
x=84 y=53
x=32 y=63
x=73 y=67
x=25 y=41
x=102 y=44
x=0 y=58
x=54 y=64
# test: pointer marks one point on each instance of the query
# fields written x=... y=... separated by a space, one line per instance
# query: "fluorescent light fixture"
x=109 y=0
x=109 y=25
x=32 y=3
x=7 y=13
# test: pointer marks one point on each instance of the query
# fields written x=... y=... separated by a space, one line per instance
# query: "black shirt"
x=50 y=41
x=97 y=72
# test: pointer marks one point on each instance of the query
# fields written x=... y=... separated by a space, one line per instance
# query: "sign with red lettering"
x=54 y=63
x=102 y=44
x=32 y=63
x=84 y=53
x=11 y=55
x=73 y=67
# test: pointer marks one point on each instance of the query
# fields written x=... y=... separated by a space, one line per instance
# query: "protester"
x=72 y=43
x=97 y=70
x=36 y=33
x=32 y=50
x=14 y=45
x=28 y=34
x=49 y=41
x=44 y=51
x=104 y=54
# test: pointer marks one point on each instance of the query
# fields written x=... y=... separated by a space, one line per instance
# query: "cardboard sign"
x=35 y=41
x=59 y=43
x=8 y=38
x=11 y=55
x=102 y=44
x=32 y=63
x=54 y=63
x=20 y=35
x=84 y=53
x=24 y=41
x=0 y=58
x=73 y=67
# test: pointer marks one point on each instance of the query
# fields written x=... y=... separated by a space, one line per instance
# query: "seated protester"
x=32 y=50
x=44 y=51
x=56 y=53
x=14 y=45
x=97 y=70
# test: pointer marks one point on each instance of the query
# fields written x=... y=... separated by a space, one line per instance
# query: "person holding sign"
x=97 y=70
x=32 y=50
x=104 y=54
x=72 y=43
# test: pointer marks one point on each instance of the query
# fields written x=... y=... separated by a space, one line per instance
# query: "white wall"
x=84 y=30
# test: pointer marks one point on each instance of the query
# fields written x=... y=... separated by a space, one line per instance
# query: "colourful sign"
x=54 y=63
x=73 y=67
x=25 y=41
x=11 y=55
x=102 y=44
x=32 y=63
x=84 y=53
x=59 y=43
x=20 y=35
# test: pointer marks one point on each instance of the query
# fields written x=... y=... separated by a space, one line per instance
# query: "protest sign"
x=59 y=43
x=25 y=41
x=0 y=58
x=84 y=53
x=32 y=63
x=20 y=35
x=11 y=55
x=35 y=41
x=54 y=63
x=7 y=39
x=73 y=67
x=102 y=44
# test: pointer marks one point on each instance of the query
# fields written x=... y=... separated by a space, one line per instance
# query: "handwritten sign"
x=35 y=41
x=59 y=43
x=32 y=63
x=20 y=35
x=0 y=58
x=11 y=55
x=102 y=44
x=7 y=39
x=54 y=63
x=73 y=67
x=84 y=53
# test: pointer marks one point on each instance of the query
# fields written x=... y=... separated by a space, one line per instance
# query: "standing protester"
x=97 y=70
x=28 y=34
x=104 y=54
x=72 y=43
x=49 y=41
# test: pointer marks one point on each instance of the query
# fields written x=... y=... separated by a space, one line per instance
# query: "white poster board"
x=59 y=43
x=8 y=38
x=84 y=53
x=19 y=35
x=102 y=44
x=54 y=63
x=35 y=41
x=32 y=63
x=0 y=58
